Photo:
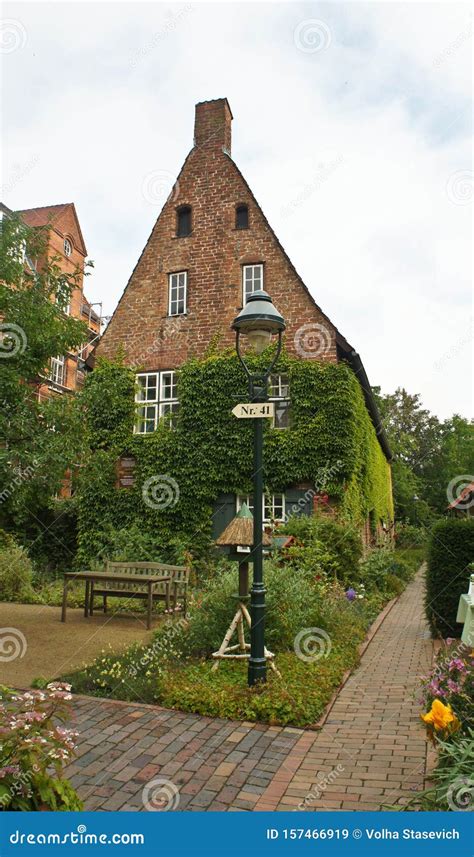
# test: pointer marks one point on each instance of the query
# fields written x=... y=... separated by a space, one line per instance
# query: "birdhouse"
x=239 y=535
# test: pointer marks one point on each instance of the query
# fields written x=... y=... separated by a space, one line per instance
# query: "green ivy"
x=210 y=451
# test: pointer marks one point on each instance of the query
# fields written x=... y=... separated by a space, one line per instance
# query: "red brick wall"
x=213 y=257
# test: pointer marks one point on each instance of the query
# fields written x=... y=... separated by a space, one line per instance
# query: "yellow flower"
x=441 y=716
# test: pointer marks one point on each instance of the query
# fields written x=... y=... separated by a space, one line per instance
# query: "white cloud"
x=103 y=94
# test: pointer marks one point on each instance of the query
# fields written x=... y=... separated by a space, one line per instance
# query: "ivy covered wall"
x=331 y=442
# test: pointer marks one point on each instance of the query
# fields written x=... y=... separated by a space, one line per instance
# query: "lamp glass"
x=259 y=339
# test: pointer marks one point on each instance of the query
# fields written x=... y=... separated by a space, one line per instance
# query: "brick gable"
x=213 y=256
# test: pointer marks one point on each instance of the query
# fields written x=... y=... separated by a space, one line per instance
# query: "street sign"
x=254 y=410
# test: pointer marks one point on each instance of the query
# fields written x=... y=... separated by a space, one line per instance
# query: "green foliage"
x=452 y=778
x=387 y=571
x=331 y=443
x=16 y=572
x=175 y=669
x=409 y=536
x=452 y=681
x=169 y=672
x=293 y=602
x=451 y=549
x=33 y=456
x=35 y=747
x=336 y=547
x=428 y=454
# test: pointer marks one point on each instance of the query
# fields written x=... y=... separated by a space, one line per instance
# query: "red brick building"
x=64 y=242
x=210 y=247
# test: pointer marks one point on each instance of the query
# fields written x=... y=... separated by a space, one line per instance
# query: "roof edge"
x=354 y=360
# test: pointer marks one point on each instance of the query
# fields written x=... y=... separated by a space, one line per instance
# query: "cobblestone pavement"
x=370 y=751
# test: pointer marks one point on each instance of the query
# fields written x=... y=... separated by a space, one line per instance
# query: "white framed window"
x=57 y=370
x=177 y=288
x=273 y=506
x=252 y=280
x=67 y=247
x=156 y=397
x=279 y=393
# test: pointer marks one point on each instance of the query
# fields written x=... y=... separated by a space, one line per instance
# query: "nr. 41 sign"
x=254 y=410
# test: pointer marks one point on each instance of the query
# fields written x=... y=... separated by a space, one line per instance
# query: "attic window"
x=242 y=217
x=183 y=221
x=67 y=247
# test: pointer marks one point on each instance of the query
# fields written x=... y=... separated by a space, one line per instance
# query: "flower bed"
x=313 y=624
x=448 y=714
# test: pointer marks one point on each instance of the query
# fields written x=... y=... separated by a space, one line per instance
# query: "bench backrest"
x=178 y=574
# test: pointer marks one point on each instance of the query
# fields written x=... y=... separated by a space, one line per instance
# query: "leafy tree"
x=39 y=441
x=428 y=454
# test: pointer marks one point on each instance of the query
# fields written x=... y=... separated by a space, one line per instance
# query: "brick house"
x=64 y=242
x=210 y=247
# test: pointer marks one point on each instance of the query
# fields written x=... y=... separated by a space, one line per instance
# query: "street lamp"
x=258 y=321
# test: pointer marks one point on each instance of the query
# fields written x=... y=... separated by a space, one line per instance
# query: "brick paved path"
x=371 y=749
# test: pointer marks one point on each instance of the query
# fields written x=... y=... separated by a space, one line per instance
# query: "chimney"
x=212 y=124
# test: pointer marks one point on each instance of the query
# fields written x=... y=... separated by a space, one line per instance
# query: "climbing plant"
x=209 y=451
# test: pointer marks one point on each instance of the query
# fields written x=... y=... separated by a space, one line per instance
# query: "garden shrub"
x=452 y=681
x=337 y=546
x=294 y=601
x=451 y=549
x=34 y=749
x=409 y=536
x=16 y=571
x=448 y=713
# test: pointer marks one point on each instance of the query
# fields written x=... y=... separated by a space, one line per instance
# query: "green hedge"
x=451 y=549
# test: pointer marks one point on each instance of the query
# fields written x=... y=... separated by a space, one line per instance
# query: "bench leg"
x=185 y=601
x=86 y=599
x=105 y=604
x=149 y=606
x=64 y=606
x=91 y=604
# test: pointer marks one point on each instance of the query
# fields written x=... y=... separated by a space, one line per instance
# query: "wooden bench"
x=174 y=578
x=147 y=586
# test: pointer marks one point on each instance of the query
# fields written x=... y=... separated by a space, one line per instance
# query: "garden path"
x=371 y=750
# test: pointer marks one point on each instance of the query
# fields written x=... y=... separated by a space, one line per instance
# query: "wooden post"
x=86 y=599
x=64 y=607
x=243 y=579
x=150 y=605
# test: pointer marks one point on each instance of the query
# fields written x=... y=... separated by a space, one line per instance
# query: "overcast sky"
x=351 y=125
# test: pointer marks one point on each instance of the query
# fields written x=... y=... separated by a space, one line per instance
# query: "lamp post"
x=258 y=321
